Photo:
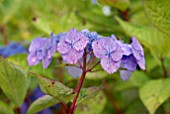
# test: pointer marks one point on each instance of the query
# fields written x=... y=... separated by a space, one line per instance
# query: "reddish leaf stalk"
x=80 y=84
x=165 y=74
x=3 y=31
x=89 y=70
x=91 y=61
x=110 y=97
x=78 y=91
x=19 y=110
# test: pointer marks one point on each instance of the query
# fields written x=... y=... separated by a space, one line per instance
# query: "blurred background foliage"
x=145 y=92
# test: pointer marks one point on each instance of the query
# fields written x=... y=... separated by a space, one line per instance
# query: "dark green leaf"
x=136 y=107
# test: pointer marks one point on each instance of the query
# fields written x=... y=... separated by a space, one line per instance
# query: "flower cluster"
x=43 y=49
x=113 y=53
x=72 y=46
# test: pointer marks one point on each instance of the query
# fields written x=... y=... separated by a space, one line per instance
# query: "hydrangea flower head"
x=37 y=51
x=110 y=53
x=72 y=46
x=43 y=49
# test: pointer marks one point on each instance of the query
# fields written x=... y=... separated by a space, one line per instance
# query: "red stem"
x=79 y=85
x=91 y=61
x=78 y=91
x=88 y=70
x=80 y=64
x=3 y=31
x=19 y=110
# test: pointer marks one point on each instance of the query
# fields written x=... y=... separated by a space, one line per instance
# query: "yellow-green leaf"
x=158 y=12
x=154 y=93
x=92 y=106
x=5 y=109
x=42 y=103
x=13 y=81
x=55 y=89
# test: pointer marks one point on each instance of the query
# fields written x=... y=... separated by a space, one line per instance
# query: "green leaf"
x=158 y=12
x=92 y=106
x=21 y=60
x=136 y=107
x=42 y=103
x=71 y=20
x=100 y=19
x=13 y=81
x=157 y=42
x=137 y=80
x=119 y=4
x=43 y=24
x=55 y=89
x=154 y=93
x=5 y=109
x=87 y=93
x=8 y=9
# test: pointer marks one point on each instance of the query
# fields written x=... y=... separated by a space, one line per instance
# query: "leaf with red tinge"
x=56 y=89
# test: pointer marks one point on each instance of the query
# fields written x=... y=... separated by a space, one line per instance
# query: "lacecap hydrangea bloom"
x=72 y=46
x=43 y=49
x=112 y=53
x=115 y=54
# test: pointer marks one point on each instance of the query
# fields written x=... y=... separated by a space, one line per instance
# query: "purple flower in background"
x=72 y=46
x=138 y=53
x=43 y=49
x=110 y=53
x=36 y=93
x=11 y=49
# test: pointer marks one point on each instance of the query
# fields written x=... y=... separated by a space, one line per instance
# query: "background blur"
x=148 y=20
